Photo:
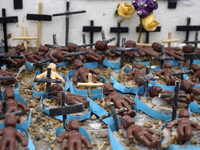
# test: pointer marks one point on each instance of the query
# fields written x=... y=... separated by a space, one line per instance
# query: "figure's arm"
x=194 y=77
x=195 y=125
x=86 y=142
x=95 y=71
x=131 y=73
x=130 y=132
x=108 y=99
x=59 y=77
x=41 y=75
x=23 y=106
x=151 y=131
x=130 y=101
x=23 y=141
x=62 y=137
x=159 y=72
x=75 y=77
x=173 y=123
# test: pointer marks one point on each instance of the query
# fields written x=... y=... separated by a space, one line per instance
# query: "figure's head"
x=20 y=48
x=187 y=85
x=43 y=50
x=156 y=47
x=8 y=94
x=154 y=91
x=72 y=47
x=126 y=121
x=101 y=45
x=137 y=66
x=10 y=120
x=167 y=65
x=77 y=63
x=52 y=66
x=107 y=88
x=73 y=125
x=194 y=67
x=183 y=114
x=130 y=44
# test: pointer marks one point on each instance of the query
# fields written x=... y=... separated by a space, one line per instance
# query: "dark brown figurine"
x=92 y=56
x=120 y=101
x=12 y=104
x=141 y=134
x=74 y=138
x=188 y=87
x=10 y=134
x=167 y=72
x=155 y=91
x=137 y=72
x=184 y=126
x=101 y=45
x=7 y=73
x=57 y=90
x=83 y=72
x=13 y=61
x=196 y=72
x=148 y=51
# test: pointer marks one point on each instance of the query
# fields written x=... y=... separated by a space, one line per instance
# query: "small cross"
x=64 y=110
x=67 y=13
x=55 y=44
x=195 y=42
x=4 y=20
x=25 y=37
x=104 y=38
x=91 y=29
x=119 y=30
x=39 y=17
x=90 y=84
x=170 y=40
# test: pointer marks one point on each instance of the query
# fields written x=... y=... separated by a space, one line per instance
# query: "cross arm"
x=191 y=56
x=182 y=72
x=76 y=54
x=123 y=49
x=90 y=84
x=8 y=19
x=38 y=17
x=172 y=95
x=46 y=80
x=7 y=78
x=69 y=13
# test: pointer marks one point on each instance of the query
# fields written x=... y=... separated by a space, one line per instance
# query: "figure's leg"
x=79 y=145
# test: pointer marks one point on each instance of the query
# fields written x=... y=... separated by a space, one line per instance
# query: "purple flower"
x=142 y=13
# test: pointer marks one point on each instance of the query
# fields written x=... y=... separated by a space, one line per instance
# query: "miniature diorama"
x=117 y=72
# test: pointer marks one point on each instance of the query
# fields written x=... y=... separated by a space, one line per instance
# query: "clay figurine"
x=184 y=126
x=57 y=90
x=74 y=138
x=141 y=134
x=14 y=61
x=155 y=91
x=196 y=72
x=10 y=134
x=188 y=87
x=12 y=104
x=7 y=73
x=92 y=56
x=83 y=71
x=137 y=72
x=120 y=101
x=167 y=72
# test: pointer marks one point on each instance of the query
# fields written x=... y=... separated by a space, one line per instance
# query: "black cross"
x=91 y=29
x=122 y=50
x=104 y=38
x=195 y=42
x=172 y=4
x=147 y=32
x=191 y=56
x=48 y=81
x=162 y=58
x=114 y=114
x=119 y=30
x=84 y=42
x=4 y=20
x=67 y=13
x=2 y=56
x=18 y=4
x=55 y=44
x=39 y=17
x=187 y=28
x=175 y=96
x=18 y=113
x=146 y=80
x=181 y=72
x=64 y=110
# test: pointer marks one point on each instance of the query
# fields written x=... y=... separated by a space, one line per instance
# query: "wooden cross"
x=38 y=17
x=67 y=14
x=25 y=37
x=4 y=20
x=147 y=32
x=119 y=30
x=91 y=29
x=187 y=28
x=170 y=40
x=64 y=110
x=143 y=43
x=90 y=84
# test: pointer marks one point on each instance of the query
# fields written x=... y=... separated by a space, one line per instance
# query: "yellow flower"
x=125 y=10
x=150 y=23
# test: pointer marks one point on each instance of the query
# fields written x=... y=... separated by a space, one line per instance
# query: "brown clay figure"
x=7 y=73
x=167 y=71
x=10 y=134
x=74 y=138
x=196 y=72
x=141 y=134
x=120 y=101
x=57 y=90
x=14 y=61
x=188 y=87
x=155 y=91
x=148 y=51
x=137 y=72
x=58 y=55
x=184 y=126
x=83 y=72
x=12 y=104
x=92 y=56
